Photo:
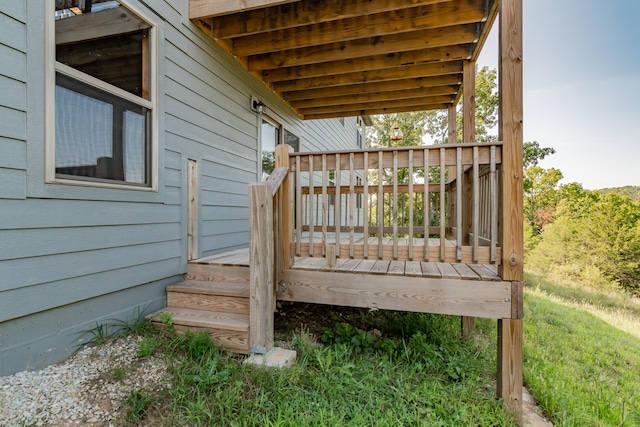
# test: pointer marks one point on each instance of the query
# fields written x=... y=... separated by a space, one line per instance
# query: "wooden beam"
x=510 y=132
x=375 y=111
x=262 y=301
x=384 y=86
x=303 y=13
x=95 y=25
x=468 y=135
x=418 y=294
x=208 y=8
x=369 y=46
x=375 y=25
x=398 y=73
x=509 y=378
x=389 y=103
x=426 y=94
x=376 y=62
x=469 y=101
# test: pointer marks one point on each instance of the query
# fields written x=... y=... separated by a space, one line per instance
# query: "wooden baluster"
x=352 y=203
x=494 y=204
x=459 y=204
x=380 y=203
x=410 y=204
x=311 y=210
x=426 y=205
x=476 y=205
x=338 y=205
x=298 y=208
x=365 y=199
x=395 y=205
x=442 y=205
x=325 y=203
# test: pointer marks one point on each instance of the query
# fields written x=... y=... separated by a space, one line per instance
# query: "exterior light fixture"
x=259 y=106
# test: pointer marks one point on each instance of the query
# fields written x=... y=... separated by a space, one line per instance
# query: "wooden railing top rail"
x=276 y=179
x=397 y=157
x=398 y=148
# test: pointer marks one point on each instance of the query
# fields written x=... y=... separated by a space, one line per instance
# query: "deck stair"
x=214 y=297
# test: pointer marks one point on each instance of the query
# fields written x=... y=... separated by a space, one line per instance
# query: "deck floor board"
x=487 y=272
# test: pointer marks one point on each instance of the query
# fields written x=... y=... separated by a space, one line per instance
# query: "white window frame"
x=52 y=66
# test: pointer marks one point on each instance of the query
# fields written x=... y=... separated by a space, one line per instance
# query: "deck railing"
x=429 y=203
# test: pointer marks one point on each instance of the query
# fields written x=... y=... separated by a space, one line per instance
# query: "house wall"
x=72 y=257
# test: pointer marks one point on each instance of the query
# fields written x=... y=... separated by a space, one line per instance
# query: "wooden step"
x=214 y=296
x=231 y=330
x=217 y=273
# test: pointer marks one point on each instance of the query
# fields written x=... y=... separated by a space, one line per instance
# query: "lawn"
x=368 y=369
x=582 y=353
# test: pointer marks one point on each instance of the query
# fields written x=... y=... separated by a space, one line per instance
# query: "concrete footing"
x=275 y=358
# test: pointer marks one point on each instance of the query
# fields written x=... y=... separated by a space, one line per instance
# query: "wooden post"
x=509 y=378
x=262 y=296
x=468 y=135
x=511 y=213
x=285 y=208
x=192 y=210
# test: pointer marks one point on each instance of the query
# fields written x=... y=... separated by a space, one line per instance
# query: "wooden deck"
x=434 y=270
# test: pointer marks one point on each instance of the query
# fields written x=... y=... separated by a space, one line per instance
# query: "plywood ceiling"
x=339 y=58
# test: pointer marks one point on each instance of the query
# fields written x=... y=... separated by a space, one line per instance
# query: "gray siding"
x=13 y=101
x=73 y=256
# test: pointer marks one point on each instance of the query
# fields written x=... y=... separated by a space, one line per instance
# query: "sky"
x=582 y=87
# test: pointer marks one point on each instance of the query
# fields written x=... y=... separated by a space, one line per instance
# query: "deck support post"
x=468 y=135
x=510 y=132
x=284 y=228
x=261 y=269
x=509 y=378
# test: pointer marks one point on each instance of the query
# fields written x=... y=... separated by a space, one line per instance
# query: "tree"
x=486 y=114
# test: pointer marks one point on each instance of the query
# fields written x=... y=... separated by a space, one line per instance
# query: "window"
x=269 y=138
x=103 y=94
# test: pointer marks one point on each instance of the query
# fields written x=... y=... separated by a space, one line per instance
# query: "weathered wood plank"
x=347 y=265
x=447 y=270
x=442 y=296
x=221 y=303
x=261 y=268
x=396 y=268
x=413 y=269
x=466 y=272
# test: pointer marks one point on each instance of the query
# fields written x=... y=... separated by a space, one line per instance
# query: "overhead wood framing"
x=338 y=58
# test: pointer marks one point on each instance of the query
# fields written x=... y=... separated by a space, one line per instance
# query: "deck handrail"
x=269 y=204
x=393 y=220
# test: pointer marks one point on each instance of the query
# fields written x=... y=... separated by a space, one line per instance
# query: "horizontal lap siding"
x=208 y=119
x=13 y=101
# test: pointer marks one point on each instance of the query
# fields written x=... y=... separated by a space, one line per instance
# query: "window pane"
x=80 y=119
x=134 y=147
x=106 y=41
x=270 y=136
x=99 y=135
x=292 y=140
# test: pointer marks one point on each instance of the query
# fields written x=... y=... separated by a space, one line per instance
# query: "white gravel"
x=88 y=389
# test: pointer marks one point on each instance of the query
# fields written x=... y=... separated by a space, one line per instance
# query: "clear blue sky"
x=582 y=87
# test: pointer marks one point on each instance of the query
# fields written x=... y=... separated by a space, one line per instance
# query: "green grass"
x=414 y=370
x=582 y=354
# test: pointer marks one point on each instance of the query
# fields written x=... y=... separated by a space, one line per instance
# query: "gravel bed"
x=88 y=389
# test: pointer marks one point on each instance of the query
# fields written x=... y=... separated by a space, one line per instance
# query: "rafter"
x=377 y=25
x=449 y=53
x=396 y=103
x=385 y=86
x=301 y=13
x=398 y=73
x=380 y=110
x=376 y=97
x=366 y=47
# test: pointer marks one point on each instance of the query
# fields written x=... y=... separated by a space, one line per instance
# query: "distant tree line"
x=589 y=237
